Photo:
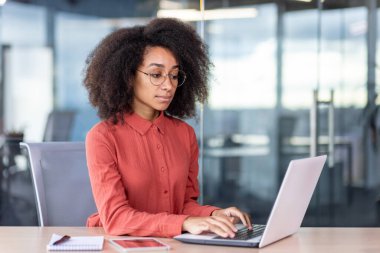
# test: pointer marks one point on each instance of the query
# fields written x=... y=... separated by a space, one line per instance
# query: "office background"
x=285 y=74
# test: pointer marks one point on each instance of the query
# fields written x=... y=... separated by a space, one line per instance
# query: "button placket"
x=163 y=171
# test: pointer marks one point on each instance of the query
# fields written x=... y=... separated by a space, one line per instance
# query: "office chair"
x=61 y=183
x=59 y=126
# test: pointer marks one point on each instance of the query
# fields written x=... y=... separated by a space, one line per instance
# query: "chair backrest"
x=59 y=126
x=61 y=183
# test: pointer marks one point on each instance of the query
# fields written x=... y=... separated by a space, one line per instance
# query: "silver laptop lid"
x=293 y=198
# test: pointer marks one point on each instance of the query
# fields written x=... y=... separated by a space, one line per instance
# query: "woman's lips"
x=164 y=98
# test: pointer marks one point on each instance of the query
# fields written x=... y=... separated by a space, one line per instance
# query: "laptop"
x=287 y=212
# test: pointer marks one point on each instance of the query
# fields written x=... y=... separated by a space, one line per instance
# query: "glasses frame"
x=165 y=76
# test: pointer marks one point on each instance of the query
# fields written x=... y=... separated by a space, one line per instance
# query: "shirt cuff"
x=207 y=210
x=173 y=225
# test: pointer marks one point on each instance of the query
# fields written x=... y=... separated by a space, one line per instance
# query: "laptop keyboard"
x=245 y=234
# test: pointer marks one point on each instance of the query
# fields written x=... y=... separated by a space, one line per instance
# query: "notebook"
x=76 y=243
x=287 y=213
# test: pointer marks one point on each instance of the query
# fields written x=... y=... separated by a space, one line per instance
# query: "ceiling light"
x=195 y=15
x=183 y=14
x=307 y=1
x=167 y=4
x=230 y=13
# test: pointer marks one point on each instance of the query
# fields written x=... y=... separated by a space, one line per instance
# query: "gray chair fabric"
x=59 y=126
x=61 y=183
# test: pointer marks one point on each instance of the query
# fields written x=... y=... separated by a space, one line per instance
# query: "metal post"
x=331 y=131
x=314 y=125
x=278 y=109
x=331 y=157
x=370 y=161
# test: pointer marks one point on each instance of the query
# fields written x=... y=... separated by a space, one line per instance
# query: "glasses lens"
x=181 y=78
x=176 y=79
x=157 y=78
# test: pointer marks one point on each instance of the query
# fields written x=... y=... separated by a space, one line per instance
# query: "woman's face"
x=150 y=97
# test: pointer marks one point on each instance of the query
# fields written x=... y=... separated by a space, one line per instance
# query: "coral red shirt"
x=144 y=176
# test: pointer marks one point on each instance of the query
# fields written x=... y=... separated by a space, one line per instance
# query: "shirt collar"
x=142 y=125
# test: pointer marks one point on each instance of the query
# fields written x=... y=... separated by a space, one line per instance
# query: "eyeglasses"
x=176 y=79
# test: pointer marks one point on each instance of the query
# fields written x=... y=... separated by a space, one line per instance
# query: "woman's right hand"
x=222 y=226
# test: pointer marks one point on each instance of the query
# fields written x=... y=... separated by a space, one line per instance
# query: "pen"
x=62 y=239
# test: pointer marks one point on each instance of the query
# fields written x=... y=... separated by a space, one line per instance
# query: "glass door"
x=296 y=78
x=325 y=67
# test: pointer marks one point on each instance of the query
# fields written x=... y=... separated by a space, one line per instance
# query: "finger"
x=219 y=223
x=235 y=220
x=237 y=213
x=248 y=219
x=227 y=221
x=217 y=230
x=245 y=219
x=224 y=226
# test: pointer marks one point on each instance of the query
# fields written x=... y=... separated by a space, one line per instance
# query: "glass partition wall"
x=270 y=71
x=273 y=62
x=239 y=152
x=325 y=65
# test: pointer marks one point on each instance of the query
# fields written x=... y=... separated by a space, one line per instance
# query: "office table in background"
x=308 y=240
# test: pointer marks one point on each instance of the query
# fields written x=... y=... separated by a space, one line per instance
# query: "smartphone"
x=138 y=244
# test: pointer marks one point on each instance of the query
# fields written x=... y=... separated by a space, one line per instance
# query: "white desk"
x=308 y=240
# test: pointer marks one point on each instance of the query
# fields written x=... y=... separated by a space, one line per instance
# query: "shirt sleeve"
x=116 y=214
x=191 y=206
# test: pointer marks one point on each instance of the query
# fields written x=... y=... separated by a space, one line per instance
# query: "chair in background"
x=17 y=201
x=59 y=126
x=61 y=183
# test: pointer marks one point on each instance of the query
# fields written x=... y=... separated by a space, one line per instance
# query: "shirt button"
x=162 y=169
x=165 y=192
x=158 y=146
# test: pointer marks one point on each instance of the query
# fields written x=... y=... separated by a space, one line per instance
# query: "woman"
x=142 y=159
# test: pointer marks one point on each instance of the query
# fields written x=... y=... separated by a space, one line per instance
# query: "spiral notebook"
x=76 y=243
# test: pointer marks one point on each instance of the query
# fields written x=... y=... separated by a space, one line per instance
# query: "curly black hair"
x=111 y=67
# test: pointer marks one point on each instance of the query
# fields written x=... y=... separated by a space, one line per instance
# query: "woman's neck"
x=151 y=116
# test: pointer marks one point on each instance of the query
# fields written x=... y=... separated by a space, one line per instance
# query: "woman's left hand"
x=234 y=214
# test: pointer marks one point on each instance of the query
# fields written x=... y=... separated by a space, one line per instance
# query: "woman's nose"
x=167 y=85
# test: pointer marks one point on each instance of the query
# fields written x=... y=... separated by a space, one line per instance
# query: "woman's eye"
x=154 y=75
x=173 y=76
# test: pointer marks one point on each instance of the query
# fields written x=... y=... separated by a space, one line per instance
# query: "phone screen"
x=139 y=243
